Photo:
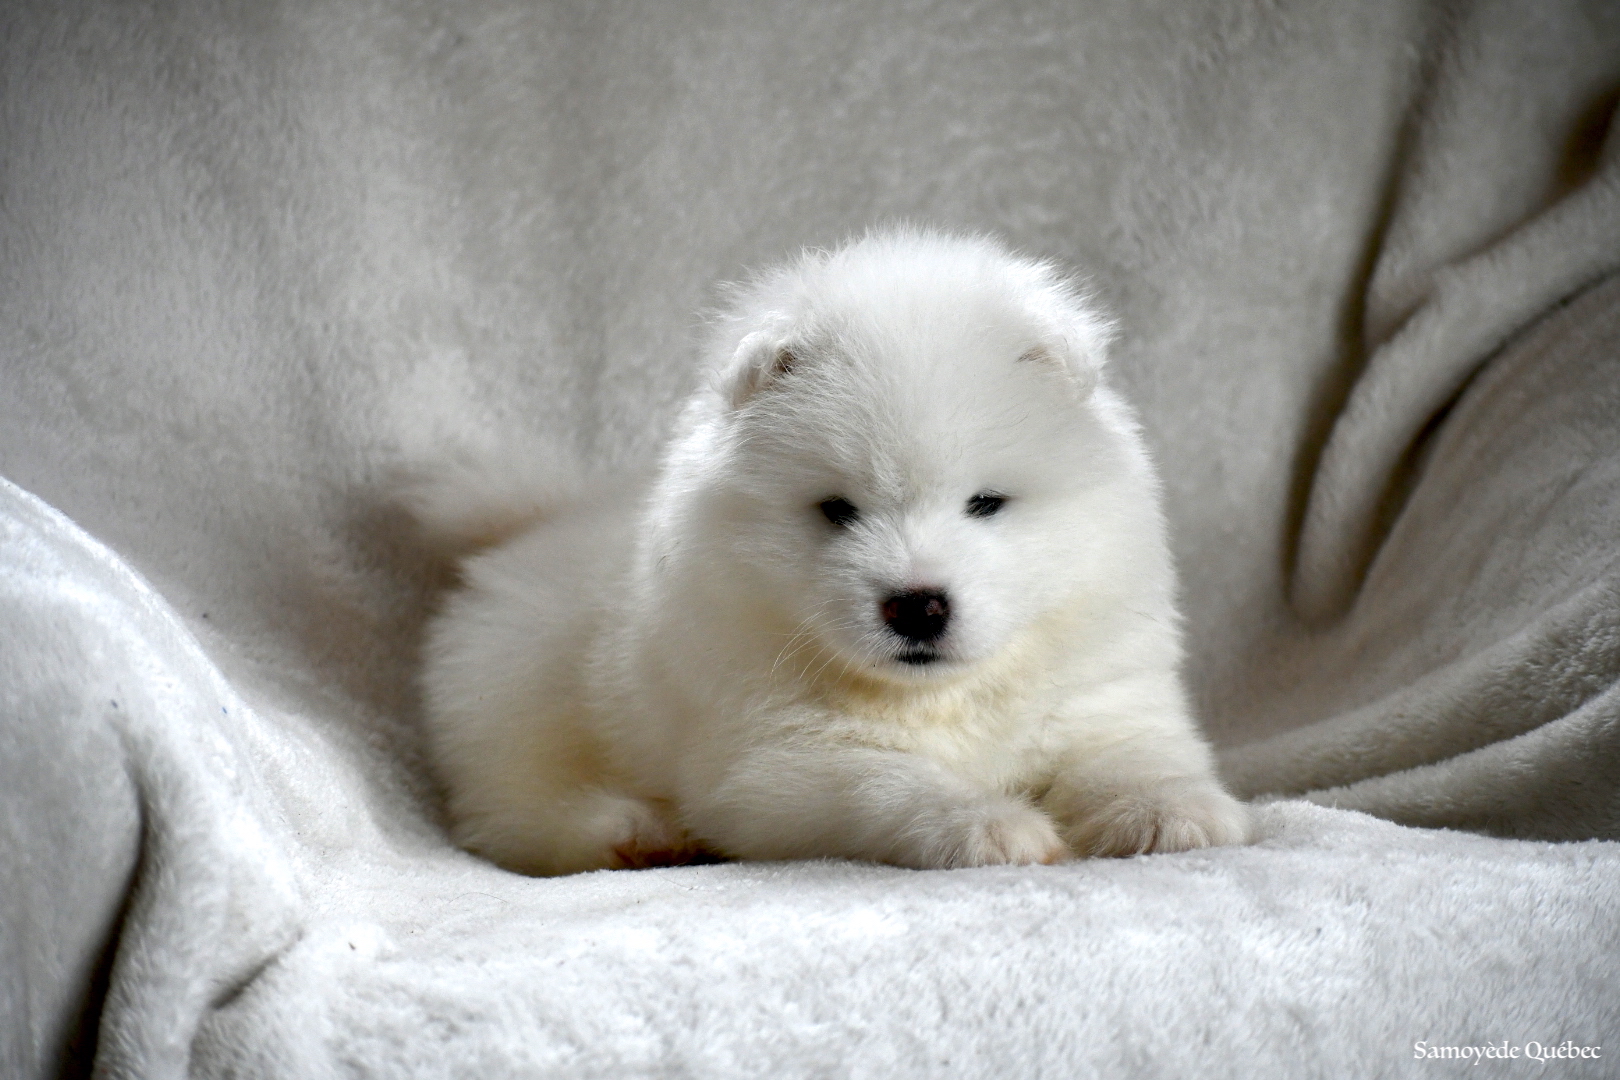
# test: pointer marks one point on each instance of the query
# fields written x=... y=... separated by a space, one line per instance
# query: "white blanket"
x=257 y=259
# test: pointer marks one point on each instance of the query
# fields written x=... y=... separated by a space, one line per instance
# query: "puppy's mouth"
x=919 y=656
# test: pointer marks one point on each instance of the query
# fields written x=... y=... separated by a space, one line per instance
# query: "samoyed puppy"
x=899 y=590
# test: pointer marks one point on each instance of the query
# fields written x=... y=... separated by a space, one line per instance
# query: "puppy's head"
x=915 y=462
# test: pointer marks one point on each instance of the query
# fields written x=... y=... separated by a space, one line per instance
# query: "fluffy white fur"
x=744 y=660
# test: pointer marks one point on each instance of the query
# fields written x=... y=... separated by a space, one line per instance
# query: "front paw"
x=1175 y=815
x=1005 y=833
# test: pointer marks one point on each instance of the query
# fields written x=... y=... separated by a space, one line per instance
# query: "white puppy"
x=899 y=590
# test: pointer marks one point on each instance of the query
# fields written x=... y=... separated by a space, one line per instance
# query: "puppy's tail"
x=475 y=500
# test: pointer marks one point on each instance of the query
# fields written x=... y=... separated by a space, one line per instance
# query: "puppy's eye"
x=839 y=511
x=985 y=504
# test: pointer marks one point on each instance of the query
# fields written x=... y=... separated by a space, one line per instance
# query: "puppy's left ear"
x=1077 y=338
x=1075 y=367
x=761 y=359
x=1079 y=361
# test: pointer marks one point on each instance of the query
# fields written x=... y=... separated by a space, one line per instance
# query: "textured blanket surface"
x=257 y=260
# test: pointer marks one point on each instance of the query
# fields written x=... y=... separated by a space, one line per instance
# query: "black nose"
x=918 y=615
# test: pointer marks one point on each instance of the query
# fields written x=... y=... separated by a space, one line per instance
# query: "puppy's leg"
x=1150 y=791
x=886 y=806
x=567 y=831
x=529 y=788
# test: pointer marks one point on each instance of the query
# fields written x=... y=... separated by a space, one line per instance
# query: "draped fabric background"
x=256 y=259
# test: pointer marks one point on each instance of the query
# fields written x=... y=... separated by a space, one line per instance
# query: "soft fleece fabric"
x=258 y=259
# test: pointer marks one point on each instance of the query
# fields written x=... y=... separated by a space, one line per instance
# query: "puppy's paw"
x=1004 y=833
x=1176 y=815
x=648 y=836
x=589 y=829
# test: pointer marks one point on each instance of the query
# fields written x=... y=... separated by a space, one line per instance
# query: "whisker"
x=802 y=635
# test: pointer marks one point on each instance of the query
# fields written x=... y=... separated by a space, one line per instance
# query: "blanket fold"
x=211 y=900
x=1491 y=610
x=1521 y=112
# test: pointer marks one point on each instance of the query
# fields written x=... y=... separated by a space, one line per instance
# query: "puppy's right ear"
x=761 y=359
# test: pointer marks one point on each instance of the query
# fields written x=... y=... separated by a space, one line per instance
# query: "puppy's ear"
x=1075 y=331
x=761 y=359
x=1080 y=366
x=1072 y=332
